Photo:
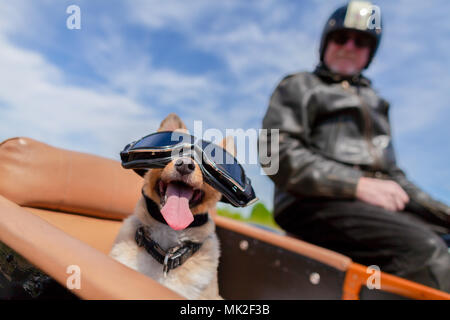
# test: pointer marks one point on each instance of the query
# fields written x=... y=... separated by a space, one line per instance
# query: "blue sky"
x=133 y=62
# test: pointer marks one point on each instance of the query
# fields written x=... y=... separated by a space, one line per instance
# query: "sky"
x=131 y=63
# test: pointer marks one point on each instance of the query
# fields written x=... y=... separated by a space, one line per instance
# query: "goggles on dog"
x=220 y=169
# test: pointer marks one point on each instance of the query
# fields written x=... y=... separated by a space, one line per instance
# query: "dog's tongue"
x=176 y=210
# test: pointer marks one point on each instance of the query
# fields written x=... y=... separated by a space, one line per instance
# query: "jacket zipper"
x=368 y=131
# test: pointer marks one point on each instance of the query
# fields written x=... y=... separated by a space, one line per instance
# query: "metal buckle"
x=169 y=255
x=139 y=237
x=165 y=266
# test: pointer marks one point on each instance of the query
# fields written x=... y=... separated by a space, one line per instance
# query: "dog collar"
x=170 y=259
x=153 y=209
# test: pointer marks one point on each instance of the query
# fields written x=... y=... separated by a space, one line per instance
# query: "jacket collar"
x=327 y=75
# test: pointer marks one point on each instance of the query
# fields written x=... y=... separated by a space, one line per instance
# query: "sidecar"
x=60 y=212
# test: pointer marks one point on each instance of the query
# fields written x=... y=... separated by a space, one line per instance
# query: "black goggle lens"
x=222 y=159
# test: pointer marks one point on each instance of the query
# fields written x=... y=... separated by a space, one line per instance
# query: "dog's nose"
x=184 y=165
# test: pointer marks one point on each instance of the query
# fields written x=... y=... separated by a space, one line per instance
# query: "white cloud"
x=35 y=101
x=258 y=42
x=38 y=100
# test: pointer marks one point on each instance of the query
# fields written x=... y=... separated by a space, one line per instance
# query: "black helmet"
x=360 y=16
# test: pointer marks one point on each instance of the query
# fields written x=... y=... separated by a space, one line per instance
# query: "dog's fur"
x=197 y=277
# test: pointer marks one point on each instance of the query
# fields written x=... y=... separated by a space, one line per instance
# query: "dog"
x=175 y=192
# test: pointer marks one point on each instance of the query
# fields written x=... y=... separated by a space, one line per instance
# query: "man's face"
x=347 y=52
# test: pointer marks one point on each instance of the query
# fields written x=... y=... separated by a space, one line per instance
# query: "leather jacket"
x=332 y=131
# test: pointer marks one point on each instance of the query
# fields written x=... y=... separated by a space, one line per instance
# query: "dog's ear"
x=228 y=144
x=172 y=123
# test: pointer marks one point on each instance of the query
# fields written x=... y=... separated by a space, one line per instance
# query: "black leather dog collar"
x=153 y=209
x=170 y=259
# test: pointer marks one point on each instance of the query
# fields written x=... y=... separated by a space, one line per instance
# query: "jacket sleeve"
x=421 y=202
x=301 y=171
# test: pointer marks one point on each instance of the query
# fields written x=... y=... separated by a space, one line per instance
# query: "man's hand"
x=382 y=193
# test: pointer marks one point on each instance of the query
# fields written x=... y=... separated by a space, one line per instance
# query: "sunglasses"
x=220 y=169
x=360 y=40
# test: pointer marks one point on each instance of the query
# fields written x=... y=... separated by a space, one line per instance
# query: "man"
x=338 y=184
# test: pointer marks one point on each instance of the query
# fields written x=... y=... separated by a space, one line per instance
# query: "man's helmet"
x=360 y=16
